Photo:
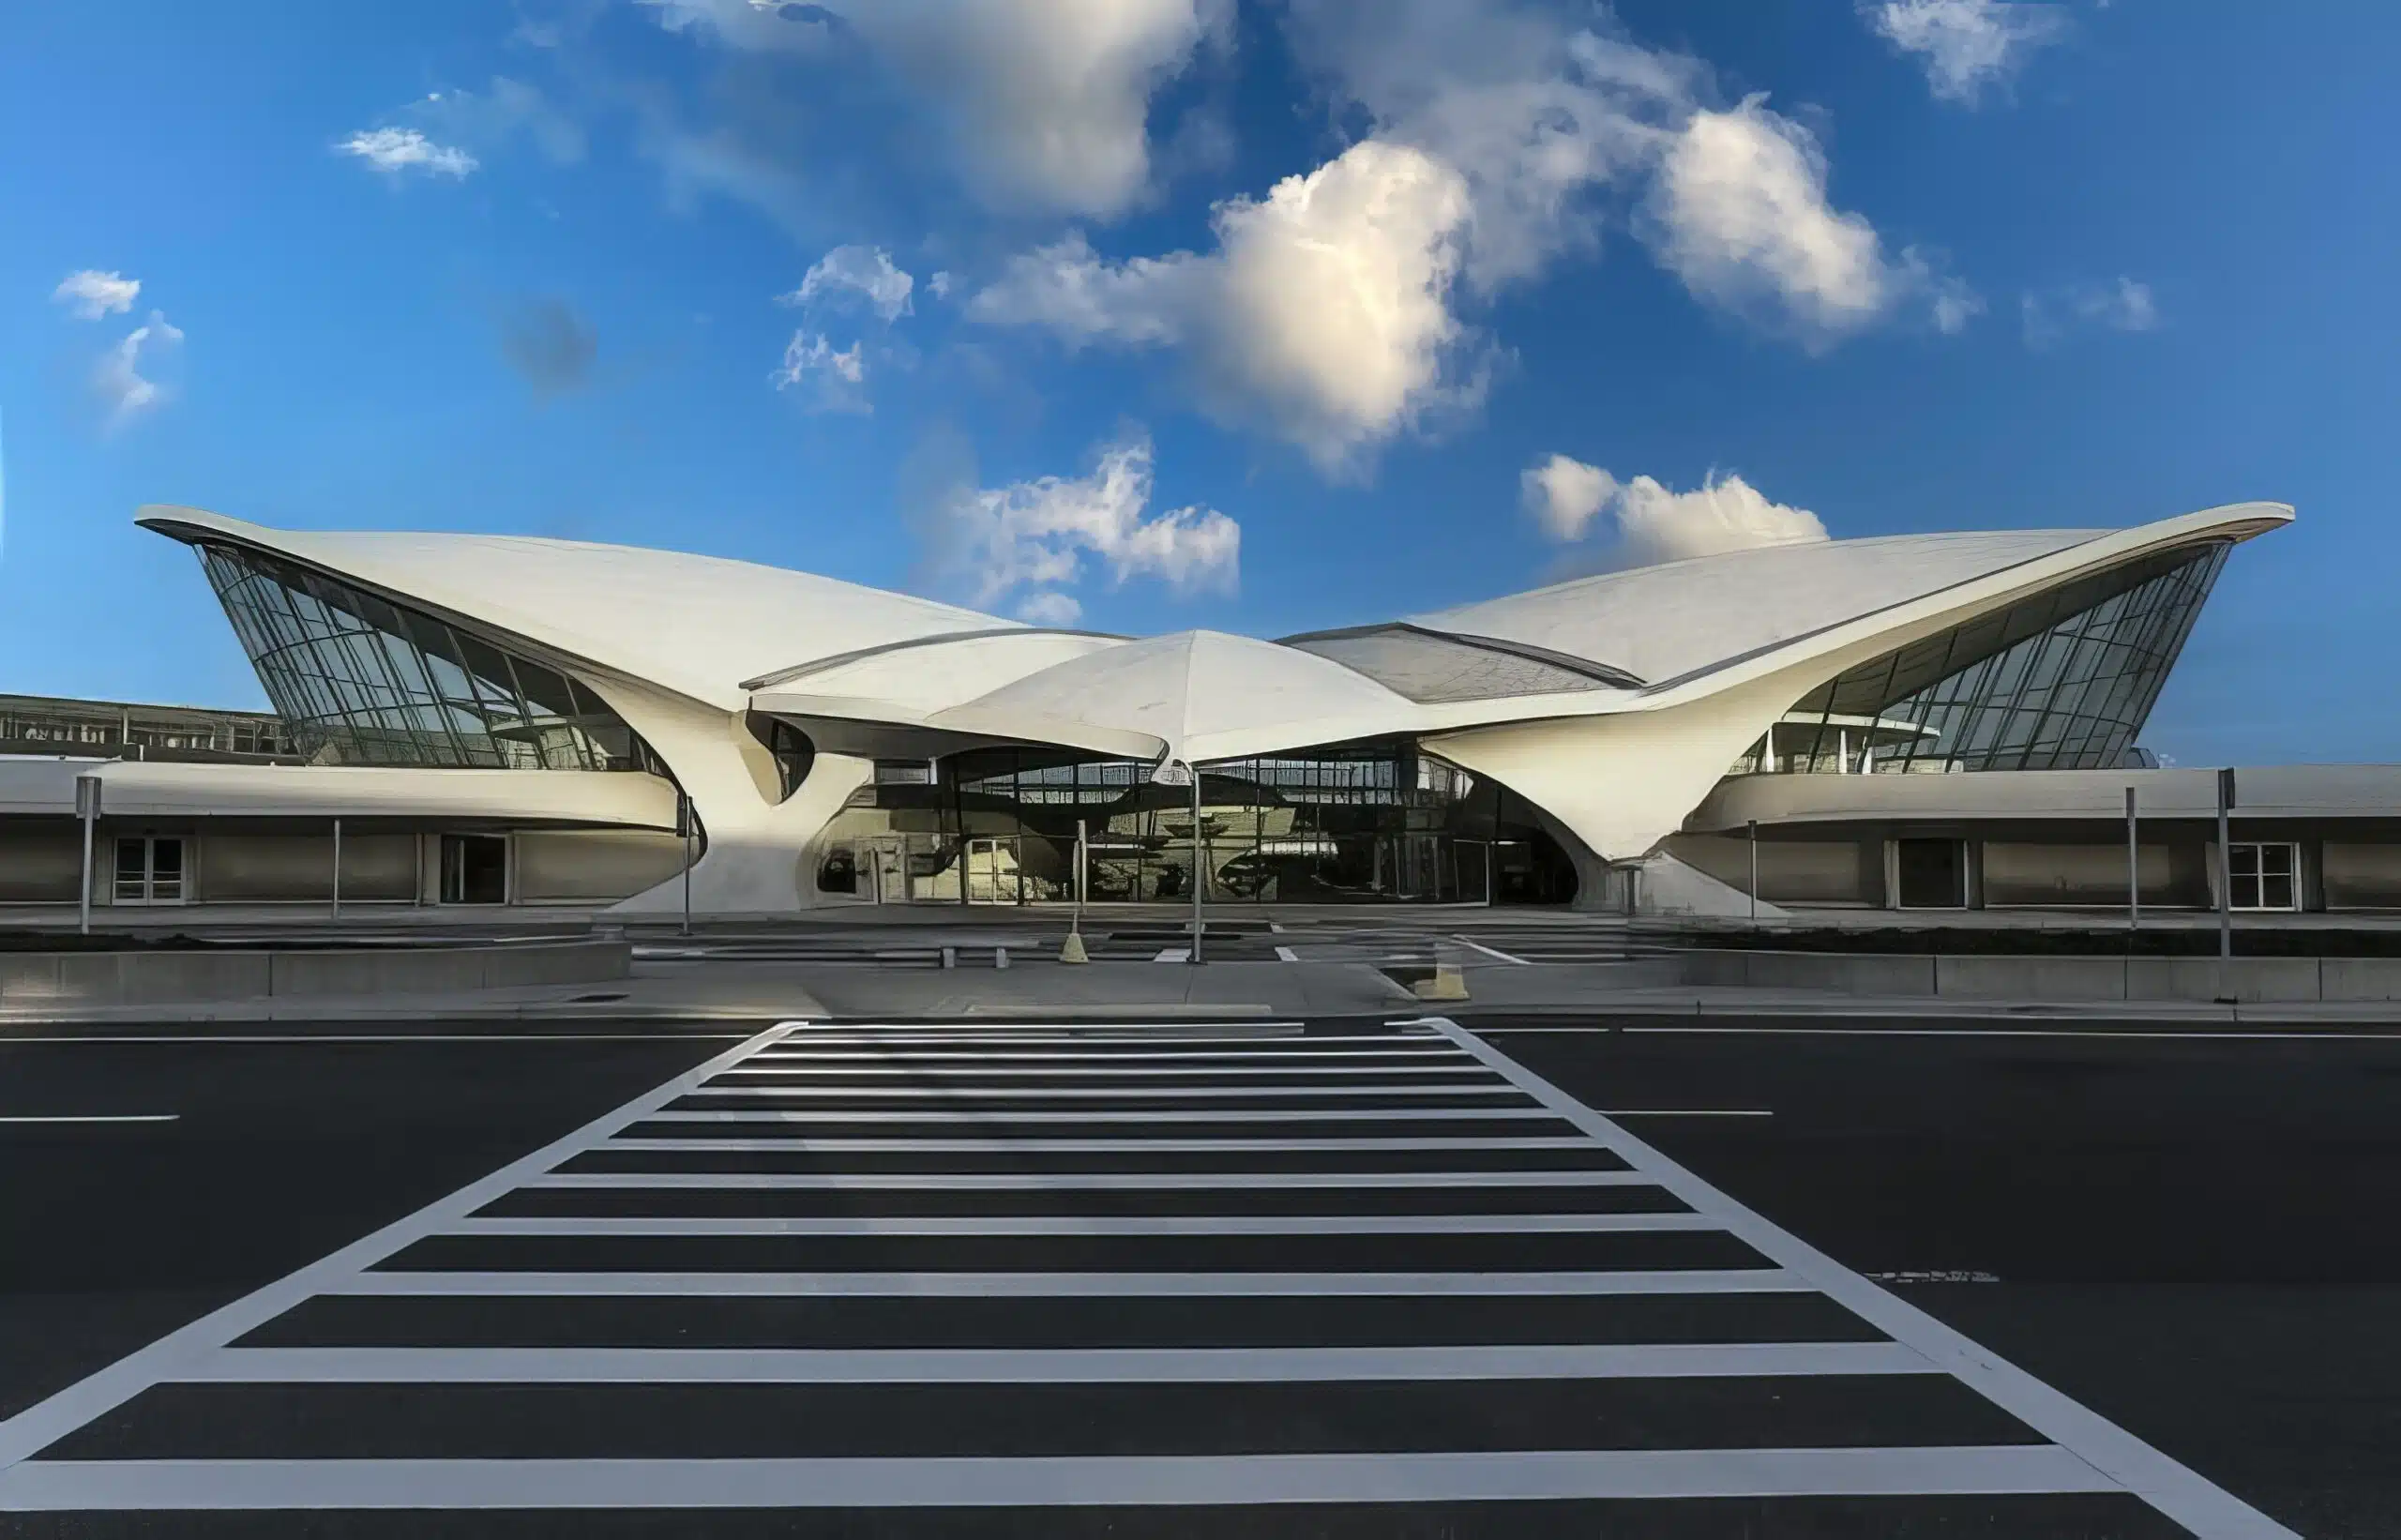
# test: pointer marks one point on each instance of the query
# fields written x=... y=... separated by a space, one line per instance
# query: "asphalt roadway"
x=2186 y=1233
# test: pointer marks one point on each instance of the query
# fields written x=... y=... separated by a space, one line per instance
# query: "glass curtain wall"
x=2062 y=681
x=361 y=681
x=1357 y=822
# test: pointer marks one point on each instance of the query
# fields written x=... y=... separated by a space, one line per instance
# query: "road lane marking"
x=1083 y=1181
x=1041 y=1365
x=630 y=1285
x=1123 y=1225
x=1017 y=1481
x=1491 y=951
x=93 y=1117
x=53 y=1417
x=2183 y=1494
x=1094 y=1146
x=1141 y=1114
x=1285 y=954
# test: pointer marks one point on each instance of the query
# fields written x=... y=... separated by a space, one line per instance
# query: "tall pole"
x=1752 y=826
x=87 y=805
x=1196 y=864
x=2225 y=868
x=1078 y=923
x=684 y=827
x=2134 y=869
x=337 y=869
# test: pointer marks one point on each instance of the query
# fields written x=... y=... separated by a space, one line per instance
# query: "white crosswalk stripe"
x=1164 y=1223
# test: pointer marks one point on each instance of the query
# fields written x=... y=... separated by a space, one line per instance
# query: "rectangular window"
x=2264 y=876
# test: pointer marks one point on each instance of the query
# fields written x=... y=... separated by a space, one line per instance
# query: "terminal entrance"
x=1370 y=823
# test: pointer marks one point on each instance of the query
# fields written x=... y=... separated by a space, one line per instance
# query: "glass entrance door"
x=149 y=869
x=992 y=871
x=475 y=869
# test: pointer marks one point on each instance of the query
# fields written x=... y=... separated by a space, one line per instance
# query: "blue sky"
x=1250 y=315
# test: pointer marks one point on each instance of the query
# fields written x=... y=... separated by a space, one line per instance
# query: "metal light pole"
x=2134 y=869
x=1198 y=865
x=2225 y=868
x=88 y=807
x=337 y=869
x=684 y=827
x=1752 y=826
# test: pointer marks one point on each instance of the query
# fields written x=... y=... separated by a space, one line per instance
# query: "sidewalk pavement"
x=763 y=992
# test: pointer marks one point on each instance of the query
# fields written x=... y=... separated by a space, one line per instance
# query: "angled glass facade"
x=1346 y=824
x=358 y=680
x=2061 y=681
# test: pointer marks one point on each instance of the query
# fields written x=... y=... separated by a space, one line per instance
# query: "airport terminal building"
x=1925 y=721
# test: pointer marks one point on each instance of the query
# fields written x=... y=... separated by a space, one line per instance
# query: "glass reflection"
x=2062 y=681
x=360 y=681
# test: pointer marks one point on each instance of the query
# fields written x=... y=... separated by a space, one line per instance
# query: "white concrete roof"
x=695 y=625
x=1196 y=694
x=1660 y=622
x=2276 y=791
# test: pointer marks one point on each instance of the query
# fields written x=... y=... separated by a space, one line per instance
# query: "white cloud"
x=864 y=270
x=940 y=284
x=1050 y=608
x=1046 y=102
x=1329 y=312
x=1323 y=315
x=1650 y=524
x=395 y=151
x=831 y=380
x=2046 y=317
x=1563 y=494
x=122 y=385
x=1965 y=45
x=1029 y=542
x=1741 y=218
x=92 y=295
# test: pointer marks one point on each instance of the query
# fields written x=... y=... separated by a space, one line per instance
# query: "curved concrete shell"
x=1613 y=704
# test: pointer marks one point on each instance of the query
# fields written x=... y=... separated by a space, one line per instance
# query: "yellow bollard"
x=1072 y=949
x=1448 y=983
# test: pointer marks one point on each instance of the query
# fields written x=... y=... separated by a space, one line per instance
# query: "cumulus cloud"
x=1334 y=311
x=1322 y=315
x=1742 y=217
x=1650 y=524
x=1046 y=103
x=1563 y=494
x=397 y=151
x=828 y=379
x=504 y=109
x=2047 y=316
x=91 y=295
x=1965 y=45
x=549 y=343
x=119 y=380
x=1028 y=543
x=863 y=271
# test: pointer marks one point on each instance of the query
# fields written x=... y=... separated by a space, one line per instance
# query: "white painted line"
x=1037 y=1366
x=1491 y=951
x=96 y=1117
x=52 y=1418
x=1141 y=1114
x=1688 y=1112
x=1760 y=1280
x=2206 y=1509
x=1094 y=1146
x=1081 y=1180
x=1173 y=954
x=11 y=1040
x=1126 y=1225
x=1999 y=1032
x=1132 y=1096
x=1467 y=1070
x=1152 y=1480
x=1436 y=1050
x=1285 y=954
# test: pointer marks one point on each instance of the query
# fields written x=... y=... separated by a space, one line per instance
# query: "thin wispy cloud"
x=89 y=294
x=397 y=152
x=1965 y=47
